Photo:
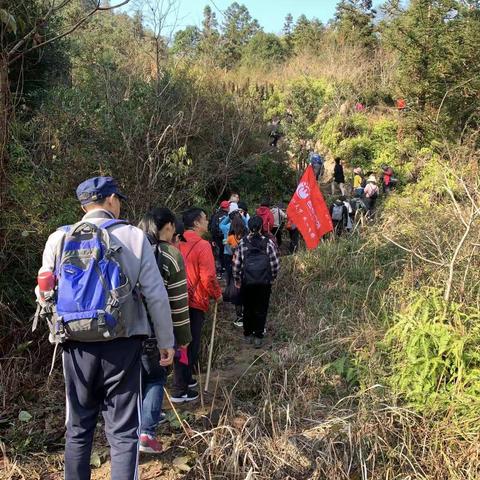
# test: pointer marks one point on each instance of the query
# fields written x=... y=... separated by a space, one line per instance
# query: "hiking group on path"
x=364 y=192
x=127 y=303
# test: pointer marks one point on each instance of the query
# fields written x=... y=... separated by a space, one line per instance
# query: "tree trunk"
x=5 y=111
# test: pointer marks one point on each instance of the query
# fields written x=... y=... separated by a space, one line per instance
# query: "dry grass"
x=341 y=64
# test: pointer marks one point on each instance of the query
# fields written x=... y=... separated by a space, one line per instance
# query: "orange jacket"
x=201 y=274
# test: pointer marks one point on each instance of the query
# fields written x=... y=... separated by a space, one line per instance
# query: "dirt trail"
x=232 y=357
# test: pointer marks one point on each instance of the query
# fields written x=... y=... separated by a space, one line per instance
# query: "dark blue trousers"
x=106 y=377
x=183 y=373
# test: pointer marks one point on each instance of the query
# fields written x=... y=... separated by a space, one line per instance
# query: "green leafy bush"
x=433 y=354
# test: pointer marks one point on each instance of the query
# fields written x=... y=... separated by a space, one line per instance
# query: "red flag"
x=308 y=211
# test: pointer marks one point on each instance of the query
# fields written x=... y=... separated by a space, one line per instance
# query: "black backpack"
x=214 y=226
x=256 y=267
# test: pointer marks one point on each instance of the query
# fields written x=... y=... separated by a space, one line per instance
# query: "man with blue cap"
x=102 y=347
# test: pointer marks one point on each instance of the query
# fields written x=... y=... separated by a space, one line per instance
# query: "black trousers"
x=255 y=299
x=183 y=373
x=228 y=263
x=277 y=231
x=103 y=376
x=294 y=239
x=218 y=252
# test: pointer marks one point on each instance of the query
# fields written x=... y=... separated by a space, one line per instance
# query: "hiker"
x=388 y=181
x=255 y=269
x=275 y=132
x=217 y=236
x=339 y=214
x=279 y=219
x=178 y=235
x=159 y=226
x=317 y=163
x=234 y=198
x=294 y=235
x=358 y=185
x=202 y=286
x=238 y=231
x=102 y=322
x=348 y=206
x=371 y=195
x=338 y=177
x=267 y=218
x=401 y=104
x=242 y=206
x=225 y=226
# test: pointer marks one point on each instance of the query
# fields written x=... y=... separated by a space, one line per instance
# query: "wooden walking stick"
x=210 y=353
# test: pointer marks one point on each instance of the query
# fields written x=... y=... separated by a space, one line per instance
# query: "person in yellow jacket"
x=358 y=182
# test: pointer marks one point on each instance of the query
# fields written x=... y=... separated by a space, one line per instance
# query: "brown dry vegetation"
x=372 y=363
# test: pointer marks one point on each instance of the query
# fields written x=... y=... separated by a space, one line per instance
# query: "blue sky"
x=269 y=13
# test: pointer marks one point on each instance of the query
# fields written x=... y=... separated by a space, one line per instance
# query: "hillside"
x=370 y=365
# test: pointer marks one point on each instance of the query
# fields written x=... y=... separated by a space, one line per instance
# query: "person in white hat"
x=371 y=195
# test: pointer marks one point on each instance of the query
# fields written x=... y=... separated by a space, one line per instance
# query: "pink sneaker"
x=149 y=444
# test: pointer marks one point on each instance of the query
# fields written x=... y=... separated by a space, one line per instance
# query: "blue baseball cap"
x=97 y=188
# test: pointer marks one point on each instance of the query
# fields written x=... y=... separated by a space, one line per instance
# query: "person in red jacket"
x=202 y=286
x=267 y=217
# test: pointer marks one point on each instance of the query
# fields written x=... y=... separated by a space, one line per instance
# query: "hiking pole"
x=210 y=353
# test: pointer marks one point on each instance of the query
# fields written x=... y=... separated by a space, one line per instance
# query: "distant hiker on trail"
x=217 y=235
x=225 y=227
x=202 y=286
x=159 y=226
x=401 y=104
x=234 y=198
x=294 y=235
x=102 y=323
x=263 y=211
x=318 y=165
x=349 y=208
x=279 y=219
x=275 y=132
x=179 y=231
x=238 y=231
x=358 y=183
x=242 y=206
x=338 y=177
x=388 y=180
x=371 y=195
x=339 y=214
x=255 y=269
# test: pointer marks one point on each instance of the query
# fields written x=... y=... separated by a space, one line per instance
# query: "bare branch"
x=420 y=257
x=22 y=42
x=451 y=267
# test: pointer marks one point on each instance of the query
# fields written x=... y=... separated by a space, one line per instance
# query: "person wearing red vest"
x=202 y=286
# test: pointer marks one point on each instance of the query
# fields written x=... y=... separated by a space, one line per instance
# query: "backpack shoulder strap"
x=113 y=221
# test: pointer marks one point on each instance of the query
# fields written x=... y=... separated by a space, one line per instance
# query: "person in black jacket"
x=217 y=236
x=338 y=177
x=339 y=214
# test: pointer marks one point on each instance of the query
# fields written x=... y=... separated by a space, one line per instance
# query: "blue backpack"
x=316 y=159
x=91 y=286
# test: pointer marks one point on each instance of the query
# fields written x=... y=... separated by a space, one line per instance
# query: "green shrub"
x=433 y=355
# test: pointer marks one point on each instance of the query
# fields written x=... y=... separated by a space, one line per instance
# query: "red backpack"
x=267 y=219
